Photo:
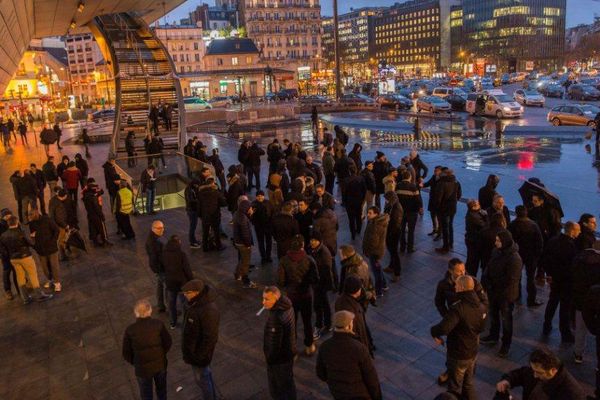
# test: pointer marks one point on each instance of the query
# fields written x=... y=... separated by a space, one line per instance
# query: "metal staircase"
x=144 y=75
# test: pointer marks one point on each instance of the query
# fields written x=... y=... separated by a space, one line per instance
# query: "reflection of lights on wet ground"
x=473 y=162
x=526 y=160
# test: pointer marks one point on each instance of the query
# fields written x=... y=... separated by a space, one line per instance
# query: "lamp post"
x=336 y=48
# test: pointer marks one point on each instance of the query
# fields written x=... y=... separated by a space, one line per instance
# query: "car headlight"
x=522 y=109
x=507 y=108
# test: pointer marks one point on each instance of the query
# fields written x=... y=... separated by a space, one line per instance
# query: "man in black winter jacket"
x=586 y=273
x=528 y=236
x=501 y=279
x=284 y=227
x=242 y=240
x=254 y=154
x=261 y=219
x=381 y=167
x=192 y=208
x=591 y=316
x=545 y=378
x=154 y=247
x=279 y=344
x=211 y=200
x=476 y=220
x=587 y=237
x=145 y=346
x=40 y=181
x=200 y=333
x=412 y=203
x=448 y=192
x=393 y=208
x=322 y=256
x=558 y=259
x=351 y=300
x=462 y=325
x=297 y=273
x=344 y=363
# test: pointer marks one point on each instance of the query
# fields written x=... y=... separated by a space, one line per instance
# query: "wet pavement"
x=69 y=347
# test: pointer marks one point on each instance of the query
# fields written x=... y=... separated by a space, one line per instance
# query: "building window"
x=197 y=57
x=219 y=61
x=249 y=59
x=234 y=61
x=195 y=46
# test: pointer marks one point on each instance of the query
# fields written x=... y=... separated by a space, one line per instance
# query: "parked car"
x=591 y=81
x=497 y=103
x=583 y=92
x=529 y=97
x=356 y=98
x=287 y=94
x=433 y=104
x=104 y=115
x=196 y=103
x=573 y=114
x=314 y=99
x=552 y=90
x=395 y=101
x=220 y=102
x=458 y=102
x=447 y=91
x=487 y=81
x=505 y=79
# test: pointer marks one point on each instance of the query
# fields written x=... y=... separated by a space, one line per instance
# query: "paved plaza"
x=70 y=347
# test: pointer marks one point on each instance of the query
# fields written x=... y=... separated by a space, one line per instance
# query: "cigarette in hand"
x=260 y=311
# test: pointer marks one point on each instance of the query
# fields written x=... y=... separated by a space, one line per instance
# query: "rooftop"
x=231 y=46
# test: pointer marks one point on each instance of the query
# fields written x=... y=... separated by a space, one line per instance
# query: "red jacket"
x=71 y=177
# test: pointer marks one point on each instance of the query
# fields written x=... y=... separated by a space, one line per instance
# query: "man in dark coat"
x=50 y=174
x=254 y=154
x=486 y=193
x=345 y=364
x=418 y=165
x=432 y=184
x=274 y=154
x=381 y=167
x=558 y=258
x=285 y=227
x=448 y=192
x=586 y=273
x=356 y=191
x=326 y=223
x=44 y=233
x=324 y=198
x=279 y=344
x=177 y=274
x=476 y=220
x=200 y=333
x=548 y=219
x=192 y=209
x=587 y=237
x=499 y=207
x=412 y=203
x=261 y=219
x=463 y=323
x=342 y=171
x=545 y=378
x=112 y=179
x=350 y=300
x=7 y=267
x=393 y=208
x=211 y=200
x=146 y=343
x=242 y=240
x=61 y=212
x=591 y=316
x=528 y=236
x=501 y=279
x=297 y=272
x=40 y=182
x=320 y=253
x=305 y=220
x=154 y=247
x=374 y=245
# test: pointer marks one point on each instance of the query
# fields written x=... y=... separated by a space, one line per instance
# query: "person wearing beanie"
x=344 y=363
x=242 y=239
x=351 y=300
x=297 y=272
x=354 y=265
x=322 y=256
x=200 y=333
x=501 y=279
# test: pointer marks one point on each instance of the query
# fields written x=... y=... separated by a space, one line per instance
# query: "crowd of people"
x=328 y=286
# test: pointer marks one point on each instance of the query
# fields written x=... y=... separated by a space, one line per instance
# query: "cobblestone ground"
x=70 y=347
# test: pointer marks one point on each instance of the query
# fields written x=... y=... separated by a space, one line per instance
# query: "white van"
x=495 y=103
x=444 y=92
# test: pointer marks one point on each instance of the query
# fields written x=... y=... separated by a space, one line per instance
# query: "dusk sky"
x=578 y=11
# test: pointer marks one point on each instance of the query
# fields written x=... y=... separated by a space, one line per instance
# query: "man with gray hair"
x=145 y=346
x=154 y=248
x=462 y=325
x=345 y=363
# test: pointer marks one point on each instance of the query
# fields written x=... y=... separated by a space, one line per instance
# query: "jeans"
x=160 y=381
x=447 y=222
x=173 y=296
x=193 y=217
x=73 y=196
x=391 y=243
x=354 y=212
x=581 y=332
x=303 y=304
x=409 y=221
x=380 y=282
x=473 y=257
x=50 y=267
x=150 y=195
x=254 y=172
x=501 y=311
x=265 y=242
x=160 y=291
x=460 y=377
x=435 y=222
x=243 y=266
x=322 y=308
x=204 y=380
x=563 y=295
x=281 y=381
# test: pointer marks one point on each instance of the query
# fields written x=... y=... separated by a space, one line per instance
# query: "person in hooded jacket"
x=320 y=253
x=393 y=208
x=261 y=219
x=432 y=184
x=60 y=211
x=200 y=333
x=279 y=344
x=487 y=192
x=546 y=378
x=412 y=203
x=374 y=245
x=341 y=135
x=356 y=156
x=356 y=191
x=297 y=272
x=448 y=192
x=351 y=300
x=82 y=166
x=177 y=274
x=528 y=236
x=326 y=223
x=111 y=178
x=352 y=264
x=586 y=273
x=591 y=316
x=44 y=233
x=284 y=227
x=343 y=172
x=587 y=237
x=381 y=167
x=418 y=165
x=242 y=239
x=211 y=200
x=476 y=220
x=501 y=279
x=235 y=189
x=487 y=238
x=254 y=154
x=92 y=200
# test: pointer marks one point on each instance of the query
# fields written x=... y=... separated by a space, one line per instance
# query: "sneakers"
x=57 y=287
x=237 y=277
x=43 y=297
x=195 y=245
x=249 y=285
x=310 y=350
x=488 y=340
x=172 y=326
x=386 y=288
x=316 y=333
x=578 y=358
